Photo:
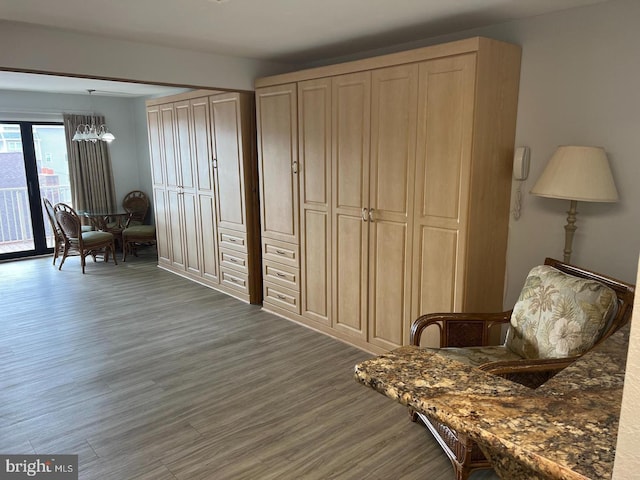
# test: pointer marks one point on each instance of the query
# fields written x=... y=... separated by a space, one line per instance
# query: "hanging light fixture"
x=91 y=132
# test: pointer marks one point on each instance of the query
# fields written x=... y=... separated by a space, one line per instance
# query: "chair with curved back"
x=83 y=243
x=58 y=236
x=136 y=232
x=562 y=312
x=136 y=203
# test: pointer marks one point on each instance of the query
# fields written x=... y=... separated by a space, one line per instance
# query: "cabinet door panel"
x=351 y=129
x=155 y=146
x=162 y=231
x=174 y=209
x=201 y=143
x=225 y=121
x=435 y=282
x=191 y=225
x=350 y=276
x=183 y=145
x=210 y=263
x=277 y=152
x=315 y=254
x=445 y=132
x=393 y=139
x=389 y=286
x=168 y=145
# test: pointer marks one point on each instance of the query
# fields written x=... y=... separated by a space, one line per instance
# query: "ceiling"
x=287 y=31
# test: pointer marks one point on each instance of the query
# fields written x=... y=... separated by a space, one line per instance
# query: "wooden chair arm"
x=528 y=365
x=459 y=329
x=528 y=372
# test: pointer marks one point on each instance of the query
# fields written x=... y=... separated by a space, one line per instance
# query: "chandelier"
x=86 y=132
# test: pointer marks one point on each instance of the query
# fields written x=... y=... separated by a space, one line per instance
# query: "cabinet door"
x=172 y=185
x=205 y=219
x=394 y=95
x=186 y=188
x=314 y=143
x=445 y=123
x=350 y=195
x=277 y=161
x=228 y=163
x=155 y=146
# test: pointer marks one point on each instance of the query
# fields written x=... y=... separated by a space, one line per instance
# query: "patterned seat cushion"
x=559 y=315
x=476 y=356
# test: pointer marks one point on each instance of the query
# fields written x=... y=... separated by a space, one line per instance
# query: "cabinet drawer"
x=234 y=260
x=282 y=297
x=234 y=279
x=281 y=252
x=234 y=240
x=281 y=274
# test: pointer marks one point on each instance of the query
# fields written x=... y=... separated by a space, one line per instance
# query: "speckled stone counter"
x=566 y=429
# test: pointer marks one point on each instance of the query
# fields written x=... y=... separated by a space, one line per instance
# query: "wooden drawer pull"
x=280 y=252
x=233 y=240
x=282 y=297
x=281 y=275
x=231 y=259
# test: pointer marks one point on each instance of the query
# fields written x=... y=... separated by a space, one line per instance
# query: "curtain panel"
x=91 y=176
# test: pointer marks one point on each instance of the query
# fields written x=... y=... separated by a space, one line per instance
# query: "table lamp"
x=576 y=173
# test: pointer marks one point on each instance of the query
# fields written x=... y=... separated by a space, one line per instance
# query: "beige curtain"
x=91 y=177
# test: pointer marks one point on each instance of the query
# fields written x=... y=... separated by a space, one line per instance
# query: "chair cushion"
x=95 y=238
x=476 y=356
x=139 y=231
x=558 y=315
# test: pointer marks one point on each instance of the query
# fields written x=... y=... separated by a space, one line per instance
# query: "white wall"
x=30 y=47
x=131 y=169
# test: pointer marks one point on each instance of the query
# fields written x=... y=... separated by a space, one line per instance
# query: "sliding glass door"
x=33 y=166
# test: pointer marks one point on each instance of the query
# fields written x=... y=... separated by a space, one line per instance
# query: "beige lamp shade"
x=577 y=173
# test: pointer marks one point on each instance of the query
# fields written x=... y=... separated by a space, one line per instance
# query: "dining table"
x=112 y=221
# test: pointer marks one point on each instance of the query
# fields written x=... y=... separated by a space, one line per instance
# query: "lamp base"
x=570 y=228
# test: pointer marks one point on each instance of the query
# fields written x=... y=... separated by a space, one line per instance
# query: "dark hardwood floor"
x=146 y=375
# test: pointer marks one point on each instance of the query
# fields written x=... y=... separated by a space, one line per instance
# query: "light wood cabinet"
x=404 y=174
x=205 y=189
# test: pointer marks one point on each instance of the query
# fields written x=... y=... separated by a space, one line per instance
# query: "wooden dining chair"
x=58 y=236
x=77 y=241
x=137 y=204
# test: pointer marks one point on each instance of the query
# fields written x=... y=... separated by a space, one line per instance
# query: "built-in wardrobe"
x=204 y=169
x=385 y=187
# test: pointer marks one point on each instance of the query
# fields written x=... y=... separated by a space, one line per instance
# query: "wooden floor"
x=146 y=375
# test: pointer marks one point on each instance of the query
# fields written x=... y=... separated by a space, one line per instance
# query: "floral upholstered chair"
x=562 y=312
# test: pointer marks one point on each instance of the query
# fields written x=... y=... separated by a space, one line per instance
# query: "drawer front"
x=282 y=297
x=234 y=260
x=234 y=279
x=233 y=240
x=280 y=252
x=281 y=274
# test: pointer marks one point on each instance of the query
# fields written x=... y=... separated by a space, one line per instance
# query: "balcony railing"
x=15 y=215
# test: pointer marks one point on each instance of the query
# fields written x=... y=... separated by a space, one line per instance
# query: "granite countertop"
x=565 y=429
